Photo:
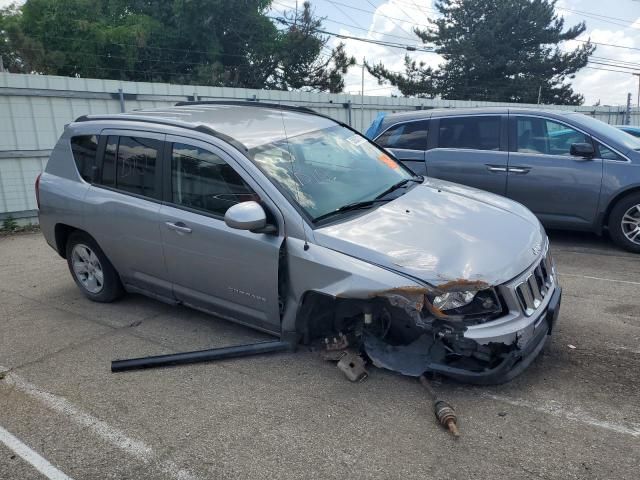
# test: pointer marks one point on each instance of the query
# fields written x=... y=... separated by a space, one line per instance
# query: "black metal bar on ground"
x=200 y=356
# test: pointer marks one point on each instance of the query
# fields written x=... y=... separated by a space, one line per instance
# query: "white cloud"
x=393 y=21
x=610 y=88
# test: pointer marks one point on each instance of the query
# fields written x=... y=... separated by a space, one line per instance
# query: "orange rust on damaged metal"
x=414 y=290
x=463 y=283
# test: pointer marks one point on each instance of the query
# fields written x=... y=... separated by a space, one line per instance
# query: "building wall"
x=35 y=108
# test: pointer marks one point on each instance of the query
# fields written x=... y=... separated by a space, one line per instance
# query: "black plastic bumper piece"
x=201 y=356
x=517 y=361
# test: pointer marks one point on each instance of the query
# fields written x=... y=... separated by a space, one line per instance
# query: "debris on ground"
x=444 y=412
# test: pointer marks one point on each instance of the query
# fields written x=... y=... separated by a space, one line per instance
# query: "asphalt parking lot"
x=574 y=414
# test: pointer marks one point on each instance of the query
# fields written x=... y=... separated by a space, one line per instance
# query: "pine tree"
x=496 y=50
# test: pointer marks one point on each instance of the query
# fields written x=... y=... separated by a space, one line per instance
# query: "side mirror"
x=584 y=150
x=246 y=216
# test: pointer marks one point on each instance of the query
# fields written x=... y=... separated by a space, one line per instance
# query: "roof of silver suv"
x=249 y=123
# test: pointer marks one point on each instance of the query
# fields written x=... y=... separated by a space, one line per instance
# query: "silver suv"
x=287 y=221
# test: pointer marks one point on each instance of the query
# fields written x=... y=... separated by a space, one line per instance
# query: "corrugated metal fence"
x=35 y=108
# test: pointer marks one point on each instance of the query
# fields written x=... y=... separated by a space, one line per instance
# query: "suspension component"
x=444 y=412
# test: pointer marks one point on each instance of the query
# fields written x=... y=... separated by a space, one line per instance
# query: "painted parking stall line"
x=31 y=457
x=100 y=428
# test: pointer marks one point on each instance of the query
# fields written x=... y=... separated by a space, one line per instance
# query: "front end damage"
x=404 y=329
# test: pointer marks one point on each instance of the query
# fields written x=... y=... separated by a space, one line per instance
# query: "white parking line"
x=31 y=457
x=115 y=437
x=629 y=282
x=557 y=410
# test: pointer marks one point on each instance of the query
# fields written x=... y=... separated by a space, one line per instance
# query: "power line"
x=356 y=27
x=402 y=46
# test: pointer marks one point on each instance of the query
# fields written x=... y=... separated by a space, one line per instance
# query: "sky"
x=615 y=22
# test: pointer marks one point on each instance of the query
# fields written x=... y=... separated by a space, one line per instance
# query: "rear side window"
x=202 y=180
x=411 y=136
x=85 y=148
x=130 y=164
x=472 y=133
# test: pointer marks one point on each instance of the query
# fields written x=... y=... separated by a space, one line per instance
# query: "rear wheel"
x=624 y=223
x=91 y=269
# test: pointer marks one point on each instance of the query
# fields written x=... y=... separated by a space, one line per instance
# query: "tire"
x=624 y=223
x=91 y=269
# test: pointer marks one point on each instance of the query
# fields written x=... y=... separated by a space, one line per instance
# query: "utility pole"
x=539 y=94
x=627 y=120
x=638 y=75
x=1 y=64
x=362 y=97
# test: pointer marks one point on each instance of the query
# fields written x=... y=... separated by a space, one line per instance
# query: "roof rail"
x=250 y=103
x=163 y=121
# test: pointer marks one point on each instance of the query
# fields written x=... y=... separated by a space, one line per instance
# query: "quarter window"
x=607 y=154
x=84 y=149
x=546 y=137
x=130 y=164
x=202 y=180
x=473 y=133
x=410 y=136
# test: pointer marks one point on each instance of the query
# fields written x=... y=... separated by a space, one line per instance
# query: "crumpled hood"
x=441 y=232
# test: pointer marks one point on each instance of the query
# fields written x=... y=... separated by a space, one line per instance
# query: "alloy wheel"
x=631 y=224
x=87 y=268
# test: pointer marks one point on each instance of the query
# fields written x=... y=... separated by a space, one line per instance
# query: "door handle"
x=494 y=168
x=520 y=170
x=178 y=227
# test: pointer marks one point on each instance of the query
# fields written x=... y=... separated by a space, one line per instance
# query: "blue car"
x=635 y=131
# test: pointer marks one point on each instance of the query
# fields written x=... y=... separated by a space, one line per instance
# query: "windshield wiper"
x=369 y=203
x=400 y=184
x=349 y=207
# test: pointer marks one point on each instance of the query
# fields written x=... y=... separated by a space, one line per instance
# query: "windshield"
x=328 y=168
x=608 y=132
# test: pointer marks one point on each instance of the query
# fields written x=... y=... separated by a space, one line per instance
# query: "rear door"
x=407 y=141
x=561 y=189
x=232 y=273
x=121 y=207
x=471 y=150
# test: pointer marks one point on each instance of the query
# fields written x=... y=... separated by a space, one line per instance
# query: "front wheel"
x=624 y=223
x=91 y=269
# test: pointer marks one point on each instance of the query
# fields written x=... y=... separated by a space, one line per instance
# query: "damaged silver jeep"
x=287 y=221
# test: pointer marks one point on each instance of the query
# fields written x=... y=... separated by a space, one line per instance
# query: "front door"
x=561 y=189
x=471 y=150
x=232 y=273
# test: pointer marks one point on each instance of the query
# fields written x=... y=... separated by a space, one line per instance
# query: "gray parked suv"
x=572 y=171
x=292 y=223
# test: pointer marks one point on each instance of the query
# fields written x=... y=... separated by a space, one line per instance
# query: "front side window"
x=202 y=180
x=84 y=149
x=130 y=164
x=546 y=137
x=410 y=136
x=325 y=169
x=472 y=133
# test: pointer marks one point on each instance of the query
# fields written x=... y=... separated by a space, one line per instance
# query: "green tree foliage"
x=495 y=50
x=211 y=42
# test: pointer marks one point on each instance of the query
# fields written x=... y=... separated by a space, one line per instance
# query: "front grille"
x=534 y=288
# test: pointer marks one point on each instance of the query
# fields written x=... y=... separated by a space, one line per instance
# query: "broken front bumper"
x=516 y=361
